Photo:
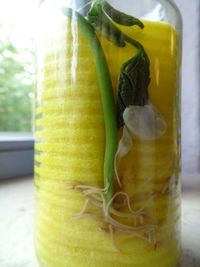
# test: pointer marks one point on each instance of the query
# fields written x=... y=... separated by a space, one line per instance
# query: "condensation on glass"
x=107 y=153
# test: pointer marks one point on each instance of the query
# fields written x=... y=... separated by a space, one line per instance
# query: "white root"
x=122 y=214
x=145 y=123
x=110 y=227
x=83 y=210
x=146 y=203
x=95 y=197
x=124 y=146
x=142 y=122
x=115 y=169
x=90 y=187
x=134 y=213
x=126 y=228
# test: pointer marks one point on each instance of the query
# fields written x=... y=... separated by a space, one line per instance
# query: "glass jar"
x=107 y=153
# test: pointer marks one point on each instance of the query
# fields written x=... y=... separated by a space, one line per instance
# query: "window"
x=17 y=79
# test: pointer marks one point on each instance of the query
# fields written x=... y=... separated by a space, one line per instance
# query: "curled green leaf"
x=103 y=25
x=120 y=17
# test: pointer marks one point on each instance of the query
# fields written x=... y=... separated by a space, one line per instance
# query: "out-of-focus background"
x=190 y=85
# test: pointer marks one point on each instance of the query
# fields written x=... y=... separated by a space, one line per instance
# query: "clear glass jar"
x=107 y=153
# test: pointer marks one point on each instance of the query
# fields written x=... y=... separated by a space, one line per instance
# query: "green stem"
x=107 y=98
x=134 y=43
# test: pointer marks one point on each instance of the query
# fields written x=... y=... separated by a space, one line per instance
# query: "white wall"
x=190 y=85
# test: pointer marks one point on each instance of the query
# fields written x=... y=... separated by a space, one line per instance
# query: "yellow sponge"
x=70 y=150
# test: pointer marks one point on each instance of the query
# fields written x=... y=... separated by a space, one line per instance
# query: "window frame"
x=16 y=155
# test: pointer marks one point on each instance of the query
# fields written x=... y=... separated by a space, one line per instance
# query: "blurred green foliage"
x=16 y=88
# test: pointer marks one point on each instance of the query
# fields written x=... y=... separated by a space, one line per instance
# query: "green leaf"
x=103 y=25
x=133 y=84
x=134 y=76
x=120 y=17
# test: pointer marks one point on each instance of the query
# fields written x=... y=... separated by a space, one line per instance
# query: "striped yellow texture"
x=70 y=150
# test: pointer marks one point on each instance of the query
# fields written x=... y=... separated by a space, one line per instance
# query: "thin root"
x=110 y=227
x=115 y=169
x=80 y=214
x=134 y=213
x=95 y=197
